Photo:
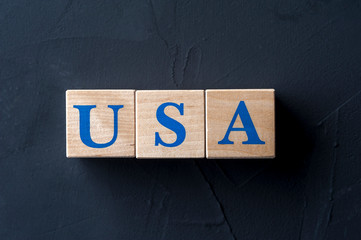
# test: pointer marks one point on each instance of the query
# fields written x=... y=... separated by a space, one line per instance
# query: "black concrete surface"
x=308 y=50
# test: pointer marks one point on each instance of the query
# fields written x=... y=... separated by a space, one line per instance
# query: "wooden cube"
x=170 y=124
x=240 y=123
x=100 y=123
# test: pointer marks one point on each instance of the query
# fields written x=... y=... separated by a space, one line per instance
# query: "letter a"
x=248 y=126
x=84 y=125
x=171 y=124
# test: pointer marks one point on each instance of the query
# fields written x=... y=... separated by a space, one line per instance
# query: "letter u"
x=84 y=125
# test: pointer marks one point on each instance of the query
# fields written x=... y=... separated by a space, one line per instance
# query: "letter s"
x=170 y=123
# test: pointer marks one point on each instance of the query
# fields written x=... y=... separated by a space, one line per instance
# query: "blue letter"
x=171 y=124
x=248 y=127
x=84 y=125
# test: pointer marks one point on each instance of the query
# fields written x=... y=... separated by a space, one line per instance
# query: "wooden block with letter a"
x=240 y=123
x=170 y=124
x=100 y=123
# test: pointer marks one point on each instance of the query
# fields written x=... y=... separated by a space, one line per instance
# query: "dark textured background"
x=308 y=50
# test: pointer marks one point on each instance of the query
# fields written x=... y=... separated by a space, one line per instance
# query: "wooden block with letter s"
x=170 y=124
x=100 y=123
x=240 y=123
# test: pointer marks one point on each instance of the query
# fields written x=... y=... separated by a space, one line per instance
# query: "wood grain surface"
x=147 y=103
x=221 y=107
x=101 y=123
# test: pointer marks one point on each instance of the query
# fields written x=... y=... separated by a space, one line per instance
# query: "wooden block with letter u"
x=240 y=123
x=100 y=123
x=170 y=124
